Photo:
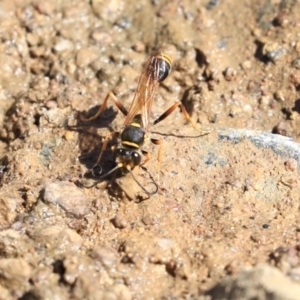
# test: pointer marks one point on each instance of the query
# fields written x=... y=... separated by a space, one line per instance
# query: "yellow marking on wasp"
x=127 y=143
x=135 y=124
x=165 y=57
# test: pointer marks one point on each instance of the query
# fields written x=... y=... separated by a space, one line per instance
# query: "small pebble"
x=45 y=7
x=296 y=63
x=85 y=56
x=105 y=255
x=139 y=47
x=32 y=39
x=101 y=37
x=50 y=104
x=253 y=87
x=291 y=164
x=273 y=51
x=247 y=108
x=281 y=20
x=55 y=116
x=281 y=128
x=279 y=96
x=63 y=45
x=15 y=272
x=297 y=46
x=120 y=221
x=37 y=145
x=108 y=10
x=69 y=197
x=69 y=135
x=264 y=102
x=256 y=186
x=147 y=220
x=234 y=110
x=229 y=74
x=246 y=65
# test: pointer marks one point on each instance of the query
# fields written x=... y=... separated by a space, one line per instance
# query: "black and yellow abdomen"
x=159 y=67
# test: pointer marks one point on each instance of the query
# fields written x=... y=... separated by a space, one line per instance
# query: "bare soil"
x=225 y=222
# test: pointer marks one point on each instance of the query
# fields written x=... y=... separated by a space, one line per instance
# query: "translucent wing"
x=157 y=68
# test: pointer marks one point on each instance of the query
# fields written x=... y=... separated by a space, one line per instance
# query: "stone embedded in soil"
x=90 y=280
x=10 y=203
x=5 y=294
x=43 y=274
x=117 y=291
x=77 y=266
x=281 y=145
x=120 y=221
x=286 y=259
x=69 y=197
x=108 y=10
x=55 y=116
x=13 y=244
x=291 y=164
x=63 y=45
x=273 y=51
x=60 y=239
x=85 y=56
x=262 y=282
x=84 y=290
x=107 y=257
x=15 y=274
x=101 y=37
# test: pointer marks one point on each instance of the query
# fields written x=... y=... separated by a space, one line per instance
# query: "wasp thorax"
x=132 y=136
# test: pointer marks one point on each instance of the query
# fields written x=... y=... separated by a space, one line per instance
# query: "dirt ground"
x=225 y=222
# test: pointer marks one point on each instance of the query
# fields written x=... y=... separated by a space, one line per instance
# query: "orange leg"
x=111 y=96
x=104 y=145
x=148 y=157
x=160 y=143
x=186 y=115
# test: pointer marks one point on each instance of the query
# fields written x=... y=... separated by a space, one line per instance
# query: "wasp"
x=128 y=153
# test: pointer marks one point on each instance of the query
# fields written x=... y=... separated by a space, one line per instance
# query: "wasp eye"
x=136 y=158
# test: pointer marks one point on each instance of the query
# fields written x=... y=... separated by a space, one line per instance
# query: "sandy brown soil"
x=224 y=223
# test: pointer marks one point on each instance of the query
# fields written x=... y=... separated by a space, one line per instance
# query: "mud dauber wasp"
x=128 y=153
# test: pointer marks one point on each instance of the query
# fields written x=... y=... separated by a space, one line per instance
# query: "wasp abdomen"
x=160 y=67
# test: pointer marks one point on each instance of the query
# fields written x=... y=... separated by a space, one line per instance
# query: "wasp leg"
x=159 y=155
x=104 y=145
x=111 y=96
x=186 y=115
x=148 y=157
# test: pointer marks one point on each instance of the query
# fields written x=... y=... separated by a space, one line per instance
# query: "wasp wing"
x=156 y=70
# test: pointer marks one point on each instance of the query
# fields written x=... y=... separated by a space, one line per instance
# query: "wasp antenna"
x=101 y=177
x=145 y=190
x=96 y=170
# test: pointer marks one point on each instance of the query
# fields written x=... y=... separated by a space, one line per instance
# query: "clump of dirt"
x=227 y=207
